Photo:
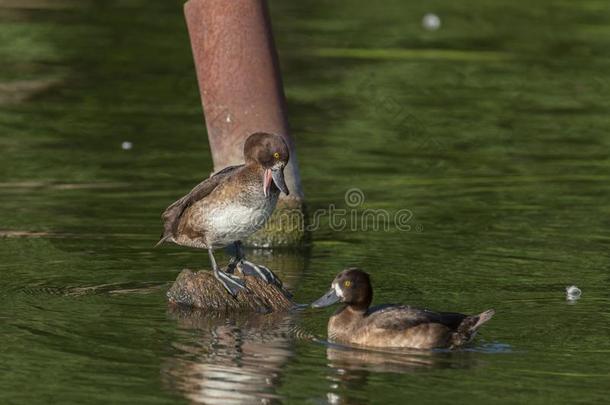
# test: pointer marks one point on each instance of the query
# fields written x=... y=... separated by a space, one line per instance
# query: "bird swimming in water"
x=231 y=205
x=392 y=325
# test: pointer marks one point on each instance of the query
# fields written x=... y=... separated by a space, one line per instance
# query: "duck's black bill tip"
x=327 y=299
x=278 y=179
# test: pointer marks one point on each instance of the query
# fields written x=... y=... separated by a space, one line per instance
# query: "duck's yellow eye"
x=347 y=283
x=276 y=155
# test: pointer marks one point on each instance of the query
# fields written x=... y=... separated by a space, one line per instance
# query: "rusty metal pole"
x=241 y=91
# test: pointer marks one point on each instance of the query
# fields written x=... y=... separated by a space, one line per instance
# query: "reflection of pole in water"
x=232 y=360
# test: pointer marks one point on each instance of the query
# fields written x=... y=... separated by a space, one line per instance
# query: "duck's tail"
x=469 y=327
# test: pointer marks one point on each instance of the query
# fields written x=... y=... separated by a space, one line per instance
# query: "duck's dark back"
x=401 y=317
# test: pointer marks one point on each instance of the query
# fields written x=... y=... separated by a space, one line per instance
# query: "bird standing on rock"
x=231 y=205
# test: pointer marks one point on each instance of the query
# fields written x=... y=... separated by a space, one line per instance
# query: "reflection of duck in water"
x=392 y=325
x=351 y=368
x=351 y=360
x=231 y=360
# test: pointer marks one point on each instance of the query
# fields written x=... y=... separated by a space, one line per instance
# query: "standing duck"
x=231 y=205
x=392 y=325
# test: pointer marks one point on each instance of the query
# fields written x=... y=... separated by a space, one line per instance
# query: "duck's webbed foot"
x=231 y=283
x=232 y=265
x=250 y=269
x=258 y=270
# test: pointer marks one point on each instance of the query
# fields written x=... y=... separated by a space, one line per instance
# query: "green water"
x=493 y=132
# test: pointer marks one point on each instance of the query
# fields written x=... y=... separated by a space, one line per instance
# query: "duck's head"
x=352 y=286
x=270 y=152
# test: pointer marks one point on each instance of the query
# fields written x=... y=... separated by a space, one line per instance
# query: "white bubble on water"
x=431 y=22
x=333 y=398
x=126 y=145
x=573 y=293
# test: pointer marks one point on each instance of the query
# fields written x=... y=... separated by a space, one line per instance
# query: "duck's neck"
x=255 y=173
x=255 y=169
x=343 y=322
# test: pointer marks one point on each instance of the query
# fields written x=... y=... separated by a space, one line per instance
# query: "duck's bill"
x=327 y=299
x=277 y=177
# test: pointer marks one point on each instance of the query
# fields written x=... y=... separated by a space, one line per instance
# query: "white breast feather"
x=235 y=221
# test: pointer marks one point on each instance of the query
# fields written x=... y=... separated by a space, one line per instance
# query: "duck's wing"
x=402 y=317
x=172 y=214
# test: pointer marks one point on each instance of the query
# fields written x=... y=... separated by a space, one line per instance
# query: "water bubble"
x=333 y=398
x=126 y=145
x=573 y=293
x=431 y=22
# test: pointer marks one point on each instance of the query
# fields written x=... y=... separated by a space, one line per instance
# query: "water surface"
x=492 y=132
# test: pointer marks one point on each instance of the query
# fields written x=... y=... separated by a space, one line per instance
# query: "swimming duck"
x=392 y=325
x=231 y=205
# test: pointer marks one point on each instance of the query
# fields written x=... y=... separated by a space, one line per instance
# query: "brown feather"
x=393 y=325
x=172 y=214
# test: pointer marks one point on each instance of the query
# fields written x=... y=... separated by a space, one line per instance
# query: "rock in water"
x=202 y=290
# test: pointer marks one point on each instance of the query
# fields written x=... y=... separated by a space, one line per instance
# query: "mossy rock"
x=285 y=227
